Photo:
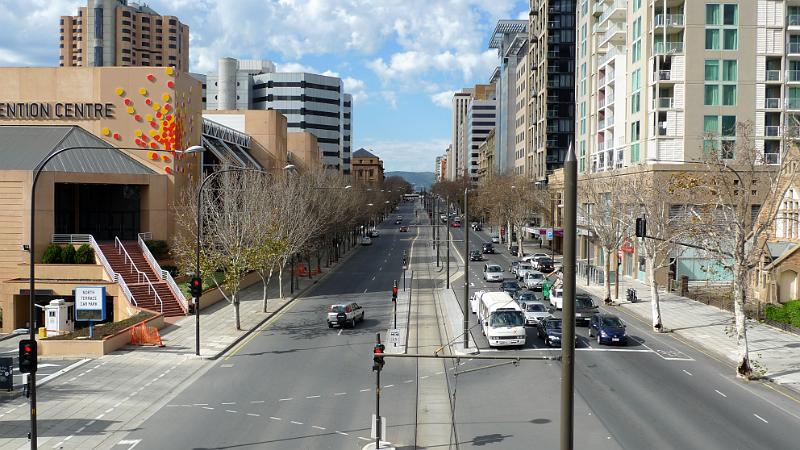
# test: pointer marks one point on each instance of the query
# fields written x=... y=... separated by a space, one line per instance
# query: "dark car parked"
x=544 y=265
x=608 y=329
x=514 y=250
x=550 y=331
x=488 y=248
x=522 y=297
x=585 y=308
x=475 y=255
x=510 y=287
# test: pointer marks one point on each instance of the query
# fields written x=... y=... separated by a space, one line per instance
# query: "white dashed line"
x=408 y=381
x=208 y=407
x=422 y=378
x=373 y=279
x=687 y=372
x=365 y=291
x=108 y=410
x=90 y=423
x=720 y=393
x=760 y=418
x=342 y=433
x=285 y=399
x=340 y=331
x=314 y=396
x=80 y=430
x=364 y=439
x=231 y=411
x=296 y=422
x=275 y=418
x=69 y=437
x=319 y=428
x=99 y=417
x=257 y=401
x=200 y=404
x=254 y=415
x=365 y=390
x=228 y=403
x=340 y=393
x=225 y=366
x=388 y=386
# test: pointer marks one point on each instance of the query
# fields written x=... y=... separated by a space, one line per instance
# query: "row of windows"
x=296 y=98
x=314 y=126
x=300 y=84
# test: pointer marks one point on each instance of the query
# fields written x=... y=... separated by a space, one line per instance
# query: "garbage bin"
x=6 y=373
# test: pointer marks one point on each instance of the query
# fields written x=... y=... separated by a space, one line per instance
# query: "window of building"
x=722 y=21
x=636 y=85
x=635 y=136
x=720 y=135
x=721 y=77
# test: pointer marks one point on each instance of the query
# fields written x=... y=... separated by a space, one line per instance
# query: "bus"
x=501 y=319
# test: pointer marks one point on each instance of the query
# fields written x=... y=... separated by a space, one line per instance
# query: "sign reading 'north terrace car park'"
x=56 y=110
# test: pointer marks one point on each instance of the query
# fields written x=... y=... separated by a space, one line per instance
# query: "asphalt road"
x=655 y=393
x=9 y=348
x=298 y=384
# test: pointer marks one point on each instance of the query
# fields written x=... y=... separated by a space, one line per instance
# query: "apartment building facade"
x=310 y=102
x=456 y=152
x=118 y=33
x=551 y=56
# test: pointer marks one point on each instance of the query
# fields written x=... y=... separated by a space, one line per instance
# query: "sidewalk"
x=706 y=326
x=97 y=404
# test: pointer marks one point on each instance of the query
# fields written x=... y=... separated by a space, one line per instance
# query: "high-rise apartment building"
x=479 y=123
x=510 y=39
x=310 y=102
x=118 y=33
x=551 y=55
x=474 y=113
x=660 y=81
x=456 y=153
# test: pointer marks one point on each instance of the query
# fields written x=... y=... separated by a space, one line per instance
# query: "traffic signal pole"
x=377 y=367
x=466 y=268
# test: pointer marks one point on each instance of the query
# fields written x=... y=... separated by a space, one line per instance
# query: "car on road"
x=374 y=233
x=492 y=272
x=557 y=298
x=608 y=329
x=475 y=300
x=534 y=256
x=495 y=239
x=513 y=267
x=488 y=248
x=543 y=265
x=533 y=280
x=523 y=297
x=510 y=287
x=456 y=225
x=345 y=314
x=400 y=218
x=585 y=308
x=403 y=229
x=398 y=222
x=475 y=255
x=366 y=240
x=476 y=226
x=522 y=269
x=514 y=250
x=535 y=312
x=550 y=331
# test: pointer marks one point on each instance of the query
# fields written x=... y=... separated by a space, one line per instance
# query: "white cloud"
x=414 y=156
x=390 y=97
x=357 y=88
x=294 y=67
x=443 y=99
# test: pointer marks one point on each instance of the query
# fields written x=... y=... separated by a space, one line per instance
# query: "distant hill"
x=420 y=180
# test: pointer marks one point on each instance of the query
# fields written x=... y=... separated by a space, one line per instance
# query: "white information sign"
x=394 y=336
x=90 y=303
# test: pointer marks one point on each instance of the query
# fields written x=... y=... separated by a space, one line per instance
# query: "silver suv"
x=345 y=314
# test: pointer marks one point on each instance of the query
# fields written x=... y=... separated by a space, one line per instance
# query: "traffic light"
x=27 y=356
x=641 y=227
x=196 y=287
x=394 y=293
x=377 y=357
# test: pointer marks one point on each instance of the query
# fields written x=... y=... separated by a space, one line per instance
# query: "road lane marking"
x=257 y=401
x=285 y=399
x=225 y=366
x=687 y=372
x=228 y=403
x=373 y=278
x=275 y=418
x=342 y=433
x=365 y=290
x=340 y=393
x=363 y=438
x=314 y=396
x=231 y=411
x=720 y=393
x=200 y=404
x=388 y=386
x=254 y=415
x=760 y=418
x=208 y=408
x=365 y=390
x=319 y=428
x=296 y=422
x=340 y=332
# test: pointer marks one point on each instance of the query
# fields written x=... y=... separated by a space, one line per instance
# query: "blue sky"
x=402 y=59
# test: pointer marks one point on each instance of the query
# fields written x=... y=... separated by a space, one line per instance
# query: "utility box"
x=6 y=374
x=58 y=317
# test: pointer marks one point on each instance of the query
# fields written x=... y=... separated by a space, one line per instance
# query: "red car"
x=456 y=225
x=403 y=229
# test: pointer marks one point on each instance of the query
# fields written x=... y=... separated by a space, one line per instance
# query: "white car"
x=374 y=233
x=557 y=298
x=495 y=239
x=345 y=315
x=522 y=269
x=534 y=256
x=492 y=272
x=535 y=312
x=533 y=280
x=475 y=301
x=366 y=240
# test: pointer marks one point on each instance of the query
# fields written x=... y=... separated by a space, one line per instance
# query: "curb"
x=299 y=294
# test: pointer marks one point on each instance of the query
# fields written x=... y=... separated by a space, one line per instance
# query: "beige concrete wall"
x=92 y=348
x=305 y=149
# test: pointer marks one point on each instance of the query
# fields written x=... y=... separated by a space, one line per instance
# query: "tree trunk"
x=520 y=240
x=280 y=281
x=236 y=322
x=655 y=302
x=509 y=234
x=743 y=367
x=607 y=278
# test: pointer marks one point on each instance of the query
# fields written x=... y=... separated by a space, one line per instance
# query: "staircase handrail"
x=139 y=273
x=163 y=274
x=89 y=239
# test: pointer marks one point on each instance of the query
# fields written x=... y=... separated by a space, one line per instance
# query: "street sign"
x=394 y=336
x=90 y=303
x=383 y=428
x=549 y=234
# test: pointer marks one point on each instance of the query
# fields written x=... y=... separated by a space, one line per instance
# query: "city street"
x=654 y=393
x=296 y=383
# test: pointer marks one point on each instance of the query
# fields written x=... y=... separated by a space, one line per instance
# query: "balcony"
x=793 y=20
x=601 y=146
x=616 y=10
x=662 y=75
x=612 y=52
x=772 y=158
x=793 y=76
x=664 y=102
x=670 y=48
x=614 y=33
x=601 y=124
x=662 y=128
x=773 y=75
x=772 y=103
x=794 y=48
x=772 y=130
x=669 y=20
x=597 y=8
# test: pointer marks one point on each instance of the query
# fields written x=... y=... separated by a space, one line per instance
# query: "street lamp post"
x=568 y=320
x=466 y=268
x=32 y=263
x=447 y=212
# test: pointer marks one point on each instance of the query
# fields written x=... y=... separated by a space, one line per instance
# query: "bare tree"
x=740 y=195
x=604 y=202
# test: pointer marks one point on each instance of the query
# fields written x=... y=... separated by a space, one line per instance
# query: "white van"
x=501 y=319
